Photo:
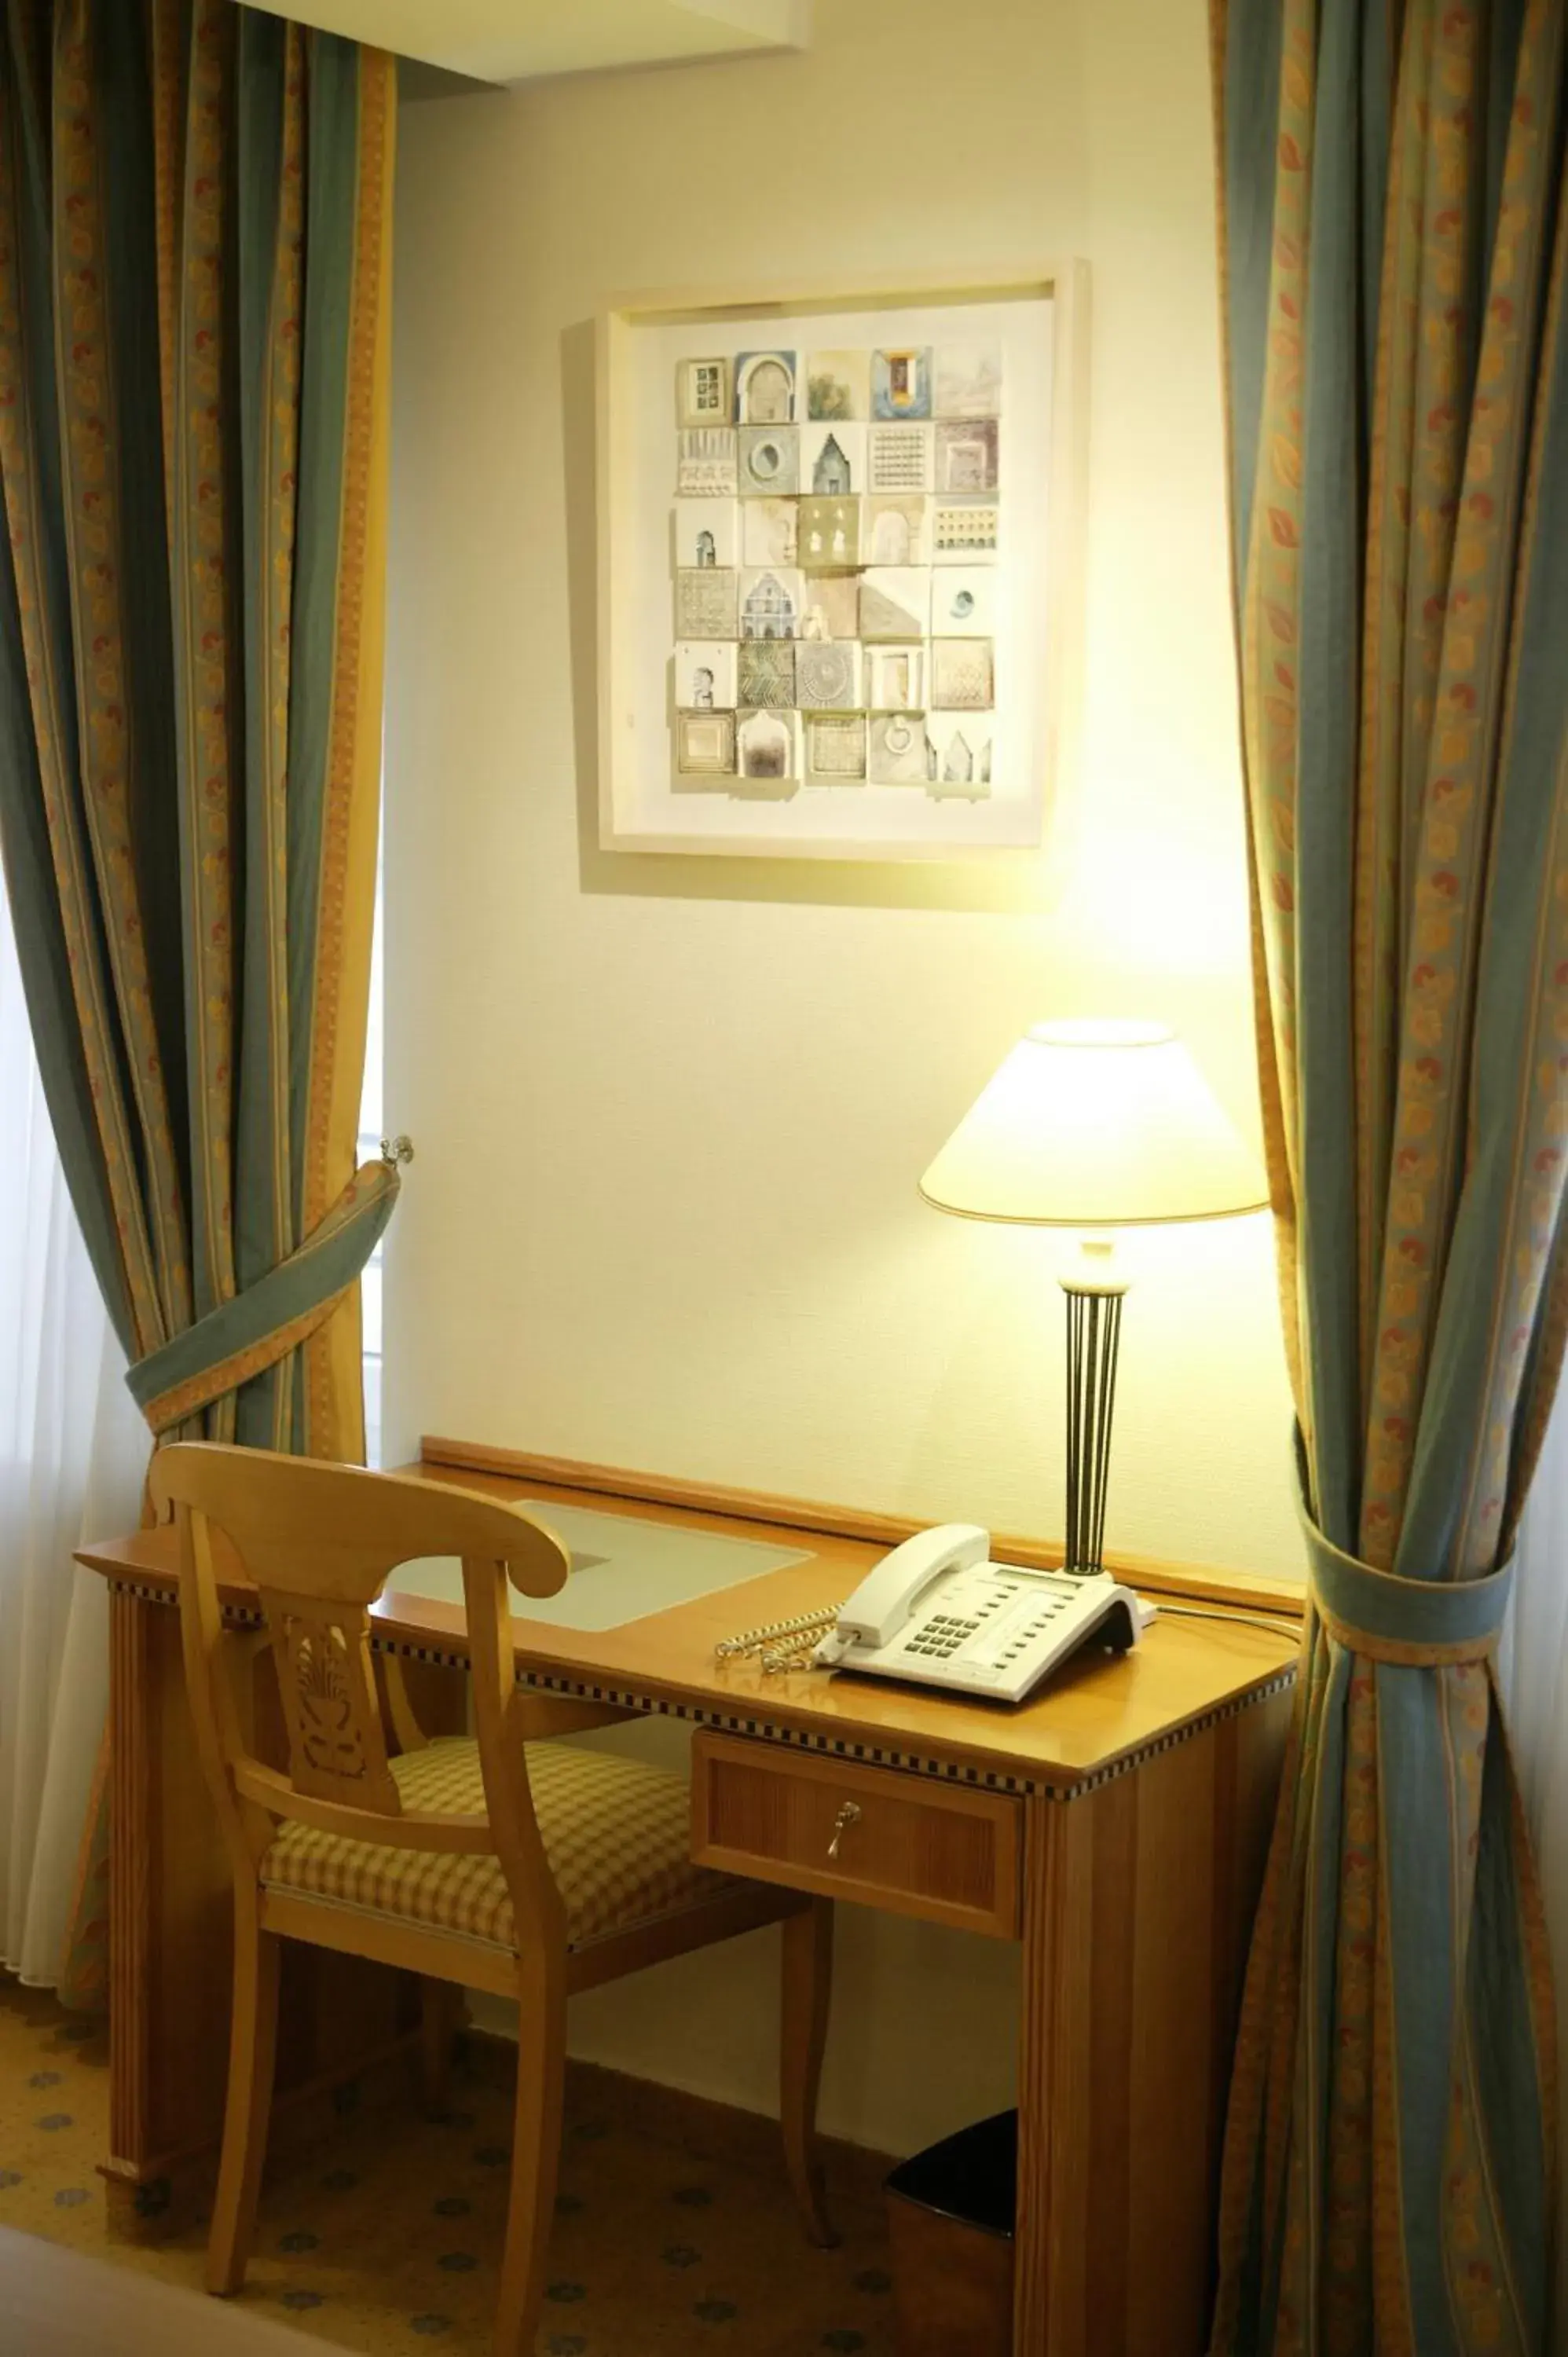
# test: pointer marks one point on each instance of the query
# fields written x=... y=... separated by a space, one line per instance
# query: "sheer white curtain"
x=1533 y=1666
x=73 y=1450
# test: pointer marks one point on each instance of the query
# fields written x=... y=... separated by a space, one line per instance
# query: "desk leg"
x=128 y=1868
x=1138 y=1905
x=171 y=1909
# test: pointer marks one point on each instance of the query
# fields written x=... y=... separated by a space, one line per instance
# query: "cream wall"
x=670 y=1112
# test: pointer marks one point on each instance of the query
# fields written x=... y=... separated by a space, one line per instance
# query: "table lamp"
x=1095 y=1125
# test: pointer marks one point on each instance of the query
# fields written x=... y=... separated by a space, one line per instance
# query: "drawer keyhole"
x=848 y=1815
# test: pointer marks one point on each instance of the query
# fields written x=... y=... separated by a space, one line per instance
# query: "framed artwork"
x=839 y=579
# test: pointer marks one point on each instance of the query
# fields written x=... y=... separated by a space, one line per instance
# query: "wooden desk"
x=1117 y=1825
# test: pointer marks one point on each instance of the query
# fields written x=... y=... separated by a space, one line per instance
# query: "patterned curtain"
x=194 y=258
x=1394 y=242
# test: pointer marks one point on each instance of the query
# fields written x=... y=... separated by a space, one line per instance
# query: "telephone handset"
x=938 y=1612
x=887 y=1596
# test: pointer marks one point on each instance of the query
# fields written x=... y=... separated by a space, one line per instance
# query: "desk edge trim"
x=649 y=1703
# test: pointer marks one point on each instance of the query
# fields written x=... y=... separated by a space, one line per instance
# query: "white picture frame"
x=1038 y=319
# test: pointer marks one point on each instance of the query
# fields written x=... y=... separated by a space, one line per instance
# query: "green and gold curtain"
x=1394 y=244
x=194 y=261
x=195 y=252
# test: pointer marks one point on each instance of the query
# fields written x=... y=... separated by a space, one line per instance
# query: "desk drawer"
x=903 y=1842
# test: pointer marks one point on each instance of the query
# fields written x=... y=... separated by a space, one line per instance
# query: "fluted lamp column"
x=1095 y=1126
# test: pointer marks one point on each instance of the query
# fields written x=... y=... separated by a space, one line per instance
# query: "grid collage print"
x=835 y=531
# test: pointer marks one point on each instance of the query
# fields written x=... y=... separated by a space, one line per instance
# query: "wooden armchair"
x=528 y=1868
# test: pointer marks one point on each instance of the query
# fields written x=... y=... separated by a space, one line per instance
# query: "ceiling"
x=512 y=40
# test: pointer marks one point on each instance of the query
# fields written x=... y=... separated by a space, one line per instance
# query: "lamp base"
x=1094 y=1288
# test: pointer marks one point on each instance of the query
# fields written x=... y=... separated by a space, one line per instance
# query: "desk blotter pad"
x=622 y=1568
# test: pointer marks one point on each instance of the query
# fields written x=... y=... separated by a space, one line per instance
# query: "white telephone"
x=936 y=1611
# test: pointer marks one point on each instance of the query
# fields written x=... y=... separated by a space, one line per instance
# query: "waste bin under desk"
x=950 y=2222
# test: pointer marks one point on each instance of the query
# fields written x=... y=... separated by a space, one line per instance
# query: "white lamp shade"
x=1096 y=1125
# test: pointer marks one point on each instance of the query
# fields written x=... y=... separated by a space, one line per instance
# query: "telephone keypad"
x=942 y=1636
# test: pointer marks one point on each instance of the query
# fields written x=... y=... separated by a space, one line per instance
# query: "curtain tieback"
x=1426 y=1624
x=244 y=1336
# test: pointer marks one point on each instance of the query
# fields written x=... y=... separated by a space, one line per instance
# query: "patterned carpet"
x=674 y=2231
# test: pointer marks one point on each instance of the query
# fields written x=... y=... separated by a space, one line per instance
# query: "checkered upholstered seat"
x=616 y=1833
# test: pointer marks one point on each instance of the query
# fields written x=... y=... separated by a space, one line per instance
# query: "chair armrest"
x=466 y=1834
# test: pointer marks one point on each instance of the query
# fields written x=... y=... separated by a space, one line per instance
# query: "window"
x=372 y=1129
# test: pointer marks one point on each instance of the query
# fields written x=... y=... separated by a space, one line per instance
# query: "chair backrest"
x=319 y=1541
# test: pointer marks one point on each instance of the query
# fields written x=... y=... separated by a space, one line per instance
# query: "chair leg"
x=252 y=2048
x=439 y=2007
x=536 y=2149
x=807 y=1987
